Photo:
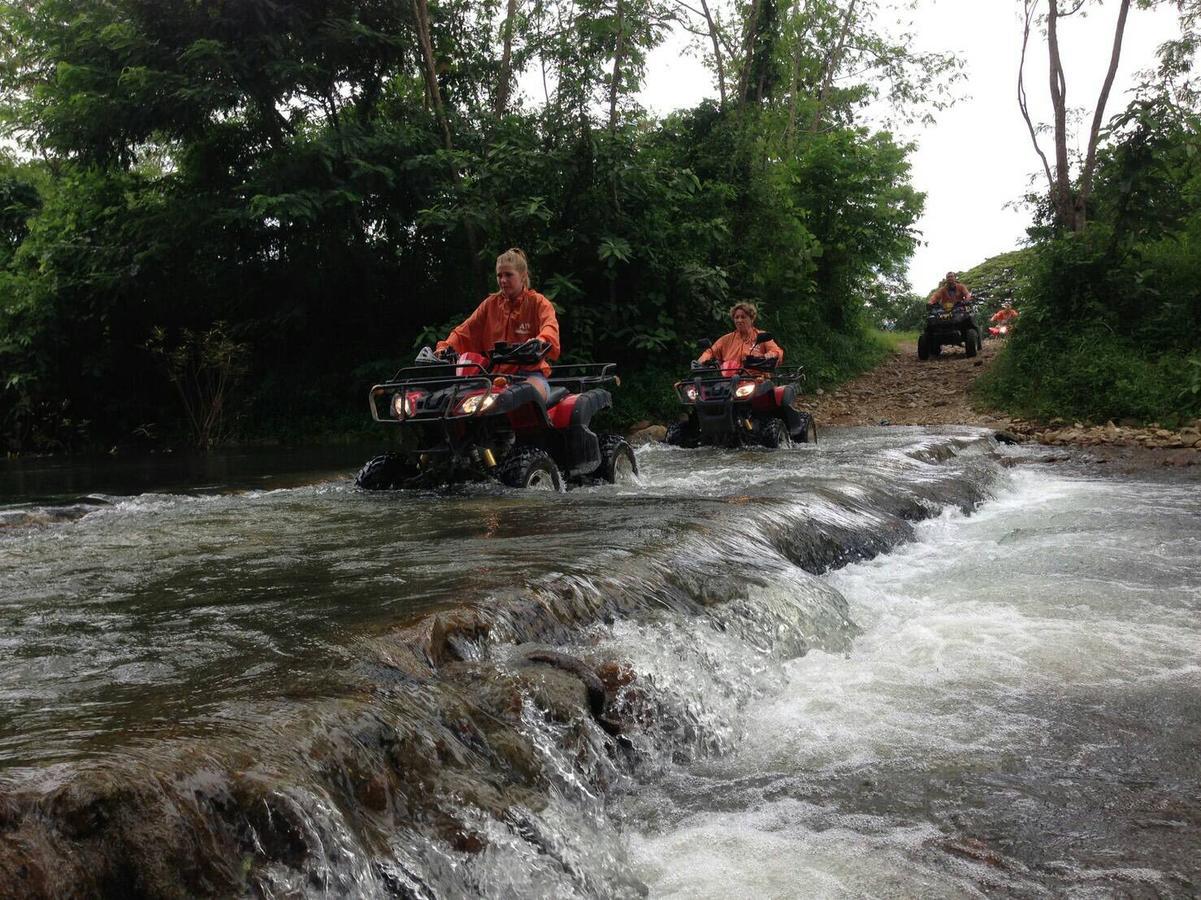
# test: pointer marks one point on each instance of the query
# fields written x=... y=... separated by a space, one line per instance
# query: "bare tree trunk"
x=424 y=36
x=830 y=67
x=421 y=13
x=1030 y=6
x=506 y=60
x=748 y=45
x=617 y=60
x=721 y=70
x=794 y=85
x=1070 y=203
x=1090 y=159
x=1061 y=189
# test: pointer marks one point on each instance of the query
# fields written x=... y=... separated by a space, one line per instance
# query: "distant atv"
x=459 y=420
x=730 y=405
x=948 y=326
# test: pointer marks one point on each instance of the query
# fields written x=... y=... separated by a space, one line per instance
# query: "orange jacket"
x=948 y=299
x=733 y=348
x=498 y=319
x=1003 y=315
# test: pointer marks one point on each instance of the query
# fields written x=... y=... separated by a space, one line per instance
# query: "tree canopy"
x=321 y=185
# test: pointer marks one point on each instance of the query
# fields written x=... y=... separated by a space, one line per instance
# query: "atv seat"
x=556 y=394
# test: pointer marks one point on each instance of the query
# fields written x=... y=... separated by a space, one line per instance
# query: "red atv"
x=731 y=405
x=461 y=420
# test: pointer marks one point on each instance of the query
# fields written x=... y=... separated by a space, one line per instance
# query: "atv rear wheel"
x=680 y=434
x=384 y=473
x=530 y=468
x=971 y=342
x=773 y=433
x=618 y=465
x=923 y=348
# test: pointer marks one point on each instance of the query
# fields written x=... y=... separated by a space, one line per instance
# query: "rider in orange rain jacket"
x=513 y=314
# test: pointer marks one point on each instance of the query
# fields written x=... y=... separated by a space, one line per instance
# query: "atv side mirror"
x=763 y=338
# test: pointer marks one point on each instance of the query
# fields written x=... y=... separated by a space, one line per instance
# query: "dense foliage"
x=1111 y=314
x=242 y=214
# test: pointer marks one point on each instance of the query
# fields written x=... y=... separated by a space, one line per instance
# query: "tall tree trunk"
x=1030 y=7
x=506 y=60
x=421 y=14
x=1069 y=202
x=1090 y=159
x=721 y=70
x=830 y=67
x=748 y=48
x=794 y=85
x=425 y=38
x=615 y=82
x=1061 y=190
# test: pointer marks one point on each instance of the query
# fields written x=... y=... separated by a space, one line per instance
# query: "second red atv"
x=460 y=421
x=731 y=405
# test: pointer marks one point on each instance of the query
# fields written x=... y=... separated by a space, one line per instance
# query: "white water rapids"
x=1019 y=715
x=899 y=663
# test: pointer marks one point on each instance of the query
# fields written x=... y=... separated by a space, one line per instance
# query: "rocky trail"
x=903 y=390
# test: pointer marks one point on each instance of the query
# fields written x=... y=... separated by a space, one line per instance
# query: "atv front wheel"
x=971 y=342
x=618 y=464
x=808 y=433
x=531 y=468
x=923 y=348
x=680 y=434
x=384 y=473
x=773 y=433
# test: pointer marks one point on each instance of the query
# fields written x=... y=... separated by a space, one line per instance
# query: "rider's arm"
x=548 y=326
x=771 y=350
x=468 y=337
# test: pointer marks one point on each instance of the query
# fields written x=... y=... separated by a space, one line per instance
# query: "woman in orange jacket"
x=739 y=343
x=514 y=314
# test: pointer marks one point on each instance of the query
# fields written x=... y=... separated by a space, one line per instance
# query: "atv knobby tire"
x=923 y=348
x=971 y=342
x=384 y=473
x=680 y=434
x=618 y=464
x=773 y=433
x=530 y=468
x=808 y=432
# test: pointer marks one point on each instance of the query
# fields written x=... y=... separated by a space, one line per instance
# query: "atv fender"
x=570 y=417
x=579 y=408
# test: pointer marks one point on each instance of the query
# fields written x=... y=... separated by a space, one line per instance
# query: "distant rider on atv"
x=950 y=293
x=514 y=314
x=731 y=350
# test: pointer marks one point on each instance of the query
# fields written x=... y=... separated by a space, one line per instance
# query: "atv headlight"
x=476 y=403
x=690 y=392
x=405 y=404
x=744 y=390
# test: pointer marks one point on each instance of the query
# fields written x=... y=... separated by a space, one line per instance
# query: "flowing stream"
x=901 y=662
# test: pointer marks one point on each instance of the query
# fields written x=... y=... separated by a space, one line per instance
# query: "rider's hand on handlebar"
x=445 y=353
x=697 y=364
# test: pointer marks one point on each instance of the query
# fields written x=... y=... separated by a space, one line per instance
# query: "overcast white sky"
x=977 y=158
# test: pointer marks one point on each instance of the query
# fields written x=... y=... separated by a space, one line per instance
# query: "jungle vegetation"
x=224 y=221
x=1110 y=288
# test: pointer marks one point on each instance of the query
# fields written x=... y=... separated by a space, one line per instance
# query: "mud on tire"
x=530 y=468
